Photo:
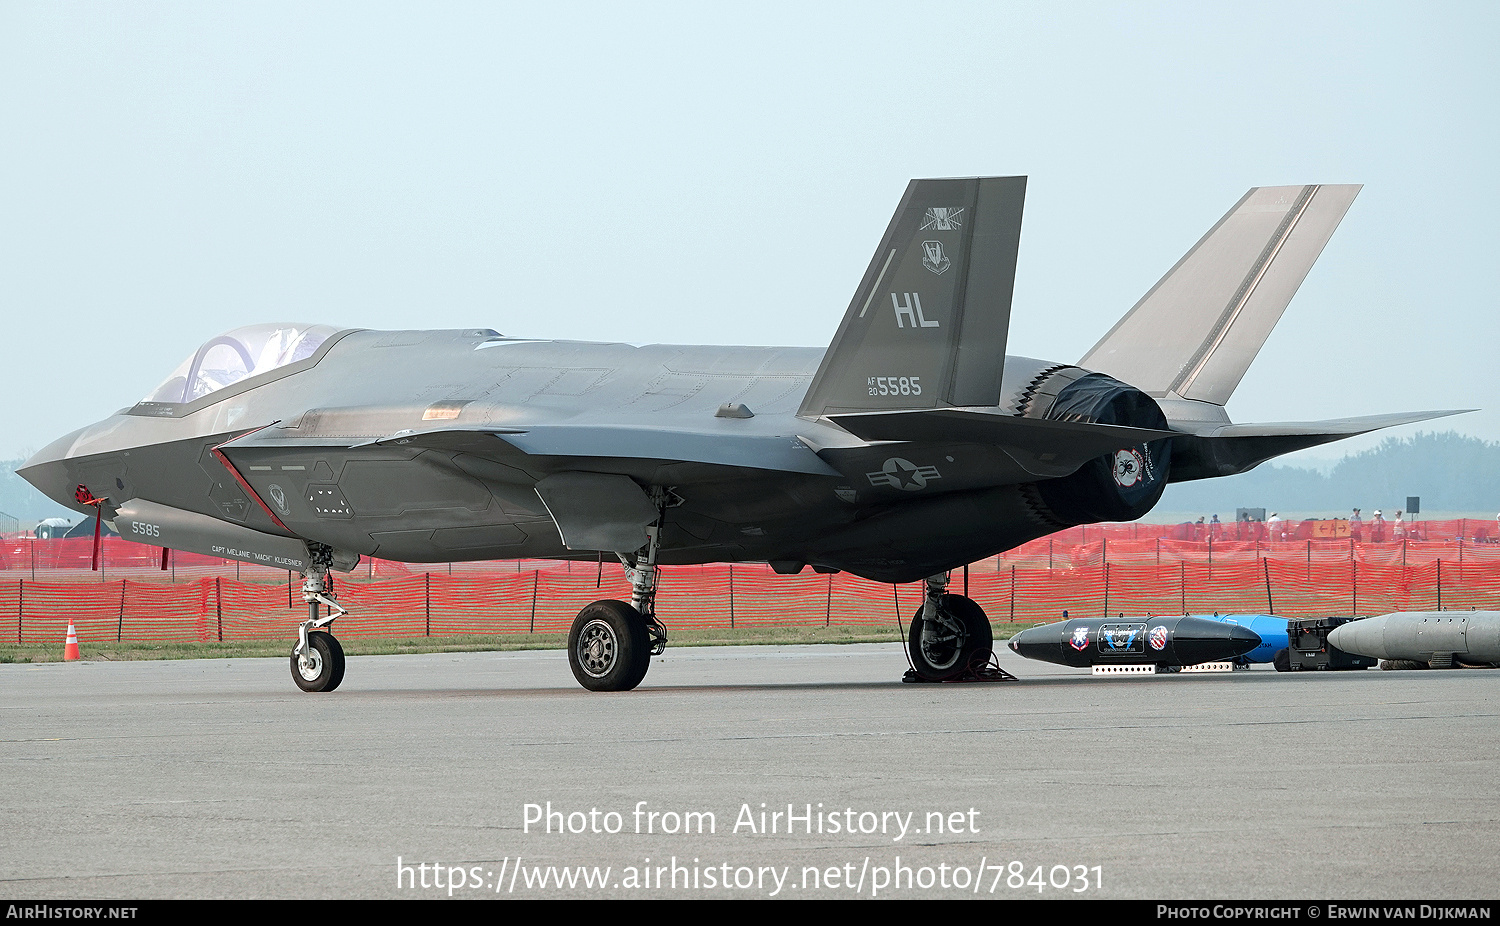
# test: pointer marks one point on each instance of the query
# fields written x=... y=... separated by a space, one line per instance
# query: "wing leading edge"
x=625 y=442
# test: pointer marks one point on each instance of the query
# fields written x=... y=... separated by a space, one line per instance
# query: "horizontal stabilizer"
x=1226 y=449
x=1043 y=447
x=1332 y=428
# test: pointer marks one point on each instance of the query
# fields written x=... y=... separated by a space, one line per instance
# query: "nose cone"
x=1050 y=643
x=1026 y=639
x=1364 y=637
x=1244 y=636
x=48 y=470
x=1196 y=640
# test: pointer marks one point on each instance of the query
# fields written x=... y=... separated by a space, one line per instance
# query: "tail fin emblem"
x=943 y=218
x=933 y=257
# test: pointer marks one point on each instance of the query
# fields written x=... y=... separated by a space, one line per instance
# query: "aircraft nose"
x=48 y=470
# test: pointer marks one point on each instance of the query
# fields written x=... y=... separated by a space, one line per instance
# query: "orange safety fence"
x=719 y=597
x=1092 y=545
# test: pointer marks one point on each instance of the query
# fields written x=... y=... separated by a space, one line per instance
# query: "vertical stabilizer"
x=1196 y=332
x=928 y=324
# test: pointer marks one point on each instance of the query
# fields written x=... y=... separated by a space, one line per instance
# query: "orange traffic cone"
x=70 y=648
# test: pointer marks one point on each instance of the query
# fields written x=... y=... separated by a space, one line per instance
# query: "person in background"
x=1356 y=526
x=1215 y=528
x=1377 y=528
x=1398 y=529
x=1273 y=527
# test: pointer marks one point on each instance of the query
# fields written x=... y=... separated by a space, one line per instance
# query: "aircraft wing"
x=751 y=451
x=588 y=487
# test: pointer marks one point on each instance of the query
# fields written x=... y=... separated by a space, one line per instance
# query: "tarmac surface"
x=218 y=778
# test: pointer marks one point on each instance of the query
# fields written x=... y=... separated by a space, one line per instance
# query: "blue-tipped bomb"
x=1164 y=641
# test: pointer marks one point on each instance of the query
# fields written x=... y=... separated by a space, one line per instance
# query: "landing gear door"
x=598 y=511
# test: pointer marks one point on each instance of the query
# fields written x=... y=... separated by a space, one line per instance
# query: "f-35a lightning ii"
x=911 y=446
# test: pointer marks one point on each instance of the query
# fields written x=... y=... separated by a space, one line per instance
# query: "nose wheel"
x=320 y=666
x=318 y=657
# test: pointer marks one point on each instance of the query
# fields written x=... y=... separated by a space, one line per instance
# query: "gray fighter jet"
x=911 y=446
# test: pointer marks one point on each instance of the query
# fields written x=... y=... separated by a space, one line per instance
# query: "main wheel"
x=608 y=647
x=960 y=638
x=321 y=668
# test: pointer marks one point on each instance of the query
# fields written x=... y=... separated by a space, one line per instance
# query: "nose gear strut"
x=318 y=657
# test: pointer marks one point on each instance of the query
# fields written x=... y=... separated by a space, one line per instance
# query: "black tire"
x=1282 y=660
x=326 y=663
x=337 y=649
x=608 y=647
x=950 y=655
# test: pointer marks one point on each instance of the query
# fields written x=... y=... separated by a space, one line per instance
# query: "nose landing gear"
x=318 y=657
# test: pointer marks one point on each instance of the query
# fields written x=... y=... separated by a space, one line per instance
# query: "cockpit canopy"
x=235 y=355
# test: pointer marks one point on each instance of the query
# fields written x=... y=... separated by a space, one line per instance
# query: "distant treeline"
x=1448 y=471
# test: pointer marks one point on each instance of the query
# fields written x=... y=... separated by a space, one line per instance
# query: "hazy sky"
x=719 y=173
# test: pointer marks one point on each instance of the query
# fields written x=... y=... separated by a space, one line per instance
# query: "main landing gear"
x=950 y=637
x=318 y=658
x=611 y=643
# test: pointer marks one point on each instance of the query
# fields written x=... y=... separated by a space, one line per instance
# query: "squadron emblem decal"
x=1122 y=639
x=943 y=218
x=1158 y=638
x=1080 y=639
x=904 y=475
x=1130 y=466
x=278 y=495
x=933 y=257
